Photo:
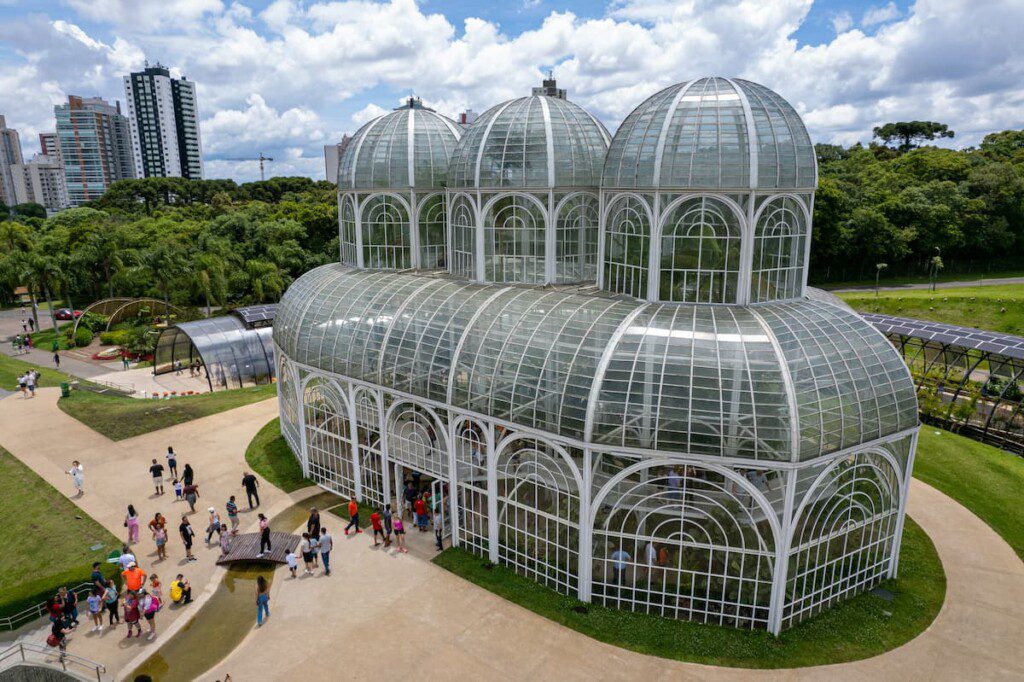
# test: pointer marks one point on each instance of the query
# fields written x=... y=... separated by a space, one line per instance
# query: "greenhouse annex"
x=603 y=353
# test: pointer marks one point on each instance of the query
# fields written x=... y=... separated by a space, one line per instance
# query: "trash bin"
x=65 y=389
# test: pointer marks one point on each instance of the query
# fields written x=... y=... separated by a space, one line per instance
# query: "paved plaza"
x=385 y=616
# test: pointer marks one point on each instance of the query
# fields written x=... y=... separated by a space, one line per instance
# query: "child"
x=132 y=615
x=293 y=561
x=95 y=602
x=178 y=488
x=314 y=547
x=225 y=539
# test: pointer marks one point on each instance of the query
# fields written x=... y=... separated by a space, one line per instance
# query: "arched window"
x=432 y=232
x=385 y=227
x=779 y=246
x=463 y=237
x=288 y=402
x=538 y=514
x=514 y=241
x=700 y=253
x=843 y=540
x=685 y=542
x=627 y=244
x=368 y=434
x=576 y=240
x=416 y=440
x=347 y=233
x=471 y=457
x=328 y=436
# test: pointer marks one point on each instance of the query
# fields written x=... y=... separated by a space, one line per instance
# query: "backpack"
x=52 y=640
x=154 y=604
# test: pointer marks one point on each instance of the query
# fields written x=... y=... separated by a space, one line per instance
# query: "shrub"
x=117 y=337
x=83 y=337
x=93 y=322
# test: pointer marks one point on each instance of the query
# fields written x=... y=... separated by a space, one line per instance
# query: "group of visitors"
x=22 y=344
x=27 y=382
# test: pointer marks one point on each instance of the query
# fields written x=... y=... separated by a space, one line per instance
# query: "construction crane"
x=259 y=158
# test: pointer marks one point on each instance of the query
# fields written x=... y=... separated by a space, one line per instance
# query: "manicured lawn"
x=117 y=417
x=12 y=368
x=44 y=337
x=921 y=279
x=980 y=307
x=855 y=629
x=986 y=480
x=45 y=537
x=269 y=456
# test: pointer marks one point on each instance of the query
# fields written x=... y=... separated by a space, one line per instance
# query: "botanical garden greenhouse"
x=603 y=352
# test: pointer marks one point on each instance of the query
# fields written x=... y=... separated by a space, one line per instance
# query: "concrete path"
x=387 y=616
x=940 y=285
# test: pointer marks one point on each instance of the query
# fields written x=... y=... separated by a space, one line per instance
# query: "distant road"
x=940 y=285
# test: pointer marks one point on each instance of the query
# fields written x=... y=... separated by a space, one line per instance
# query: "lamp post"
x=878 y=272
x=936 y=265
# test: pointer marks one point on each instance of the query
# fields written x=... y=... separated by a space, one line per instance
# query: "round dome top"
x=539 y=141
x=409 y=147
x=712 y=133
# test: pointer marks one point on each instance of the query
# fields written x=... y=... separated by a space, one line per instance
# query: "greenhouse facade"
x=699 y=437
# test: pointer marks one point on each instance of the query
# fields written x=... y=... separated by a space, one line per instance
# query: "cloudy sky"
x=287 y=76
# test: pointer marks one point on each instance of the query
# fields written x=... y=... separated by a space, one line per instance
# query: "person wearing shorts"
x=187 y=534
x=172 y=461
x=400 y=535
x=306 y=547
x=388 y=527
x=378 y=529
x=157 y=472
x=232 y=509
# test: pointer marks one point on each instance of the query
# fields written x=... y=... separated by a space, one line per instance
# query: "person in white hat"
x=214 y=525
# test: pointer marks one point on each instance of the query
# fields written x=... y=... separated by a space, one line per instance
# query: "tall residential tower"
x=164 y=124
x=94 y=144
x=10 y=155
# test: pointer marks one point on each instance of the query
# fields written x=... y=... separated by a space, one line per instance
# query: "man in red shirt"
x=378 y=527
x=353 y=512
x=420 y=507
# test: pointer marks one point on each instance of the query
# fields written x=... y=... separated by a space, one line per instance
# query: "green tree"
x=209 y=277
x=910 y=134
x=165 y=263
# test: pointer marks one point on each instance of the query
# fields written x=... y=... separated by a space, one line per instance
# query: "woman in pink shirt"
x=399 y=528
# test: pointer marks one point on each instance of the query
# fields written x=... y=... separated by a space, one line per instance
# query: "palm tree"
x=264 y=279
x=46 y=274
x=103 y=252
x=165 y=263
x=208 y=276
x=15 y=241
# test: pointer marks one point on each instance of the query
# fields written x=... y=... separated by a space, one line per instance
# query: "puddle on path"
x=222 y=622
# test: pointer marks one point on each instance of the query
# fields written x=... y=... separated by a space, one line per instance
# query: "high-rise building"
x=41 y=181
x=95 y=146
x=469 y=116
x=49 y=145
x=164 y=123
x=333 y=152
x=10 y=155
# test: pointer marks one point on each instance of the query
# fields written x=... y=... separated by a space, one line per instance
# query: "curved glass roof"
x=744 y=382
x=712 y=133
x=409 y=147
x=538 y=141
x=233 y=353
x=823 y=296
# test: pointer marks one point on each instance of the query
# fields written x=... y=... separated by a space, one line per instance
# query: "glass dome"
x=537 y=141
x=407 y=148
x=782 y=381
x=712 y=133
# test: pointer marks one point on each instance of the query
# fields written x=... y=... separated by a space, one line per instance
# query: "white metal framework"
x=705 y=439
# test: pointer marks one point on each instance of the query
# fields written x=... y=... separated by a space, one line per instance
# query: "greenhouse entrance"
x=435 y=491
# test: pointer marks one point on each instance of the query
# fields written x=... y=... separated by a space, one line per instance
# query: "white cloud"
x=842 y=22
x=880 y=15
x=259 y=126
x=145 y=13
x=367 y=114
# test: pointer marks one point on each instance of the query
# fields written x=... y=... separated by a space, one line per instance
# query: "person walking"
x=187 y=535
x=262 y=600
x=24 y=326
x=77 y=474
x=187 y=475
x=264 y=536
x=306 y=548
x=157 y=472
x=353 y=513
x=191 y=491
x=438 y=530
x=387 y=525
x=70 y=599
x=313 y=523
x=160 y=538
x=213 y=526
x=292 y=561
x=131 y=522
x=400 y=534
x=110 y=602
x=225 y=540
x=232 y=509
x=30 y=383
x=23 y=385
x=326 y=545
x=95 y=603
x=251 y=486
x=58 y=638
x=96 y=578
x=420 y=507
x=378 y=528
x=172 y=462
x=56 y=359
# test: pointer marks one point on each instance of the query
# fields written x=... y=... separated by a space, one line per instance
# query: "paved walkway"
x=388 y=616
x=940 y=285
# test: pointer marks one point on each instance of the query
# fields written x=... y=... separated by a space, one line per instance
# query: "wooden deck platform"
x=246 y=546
